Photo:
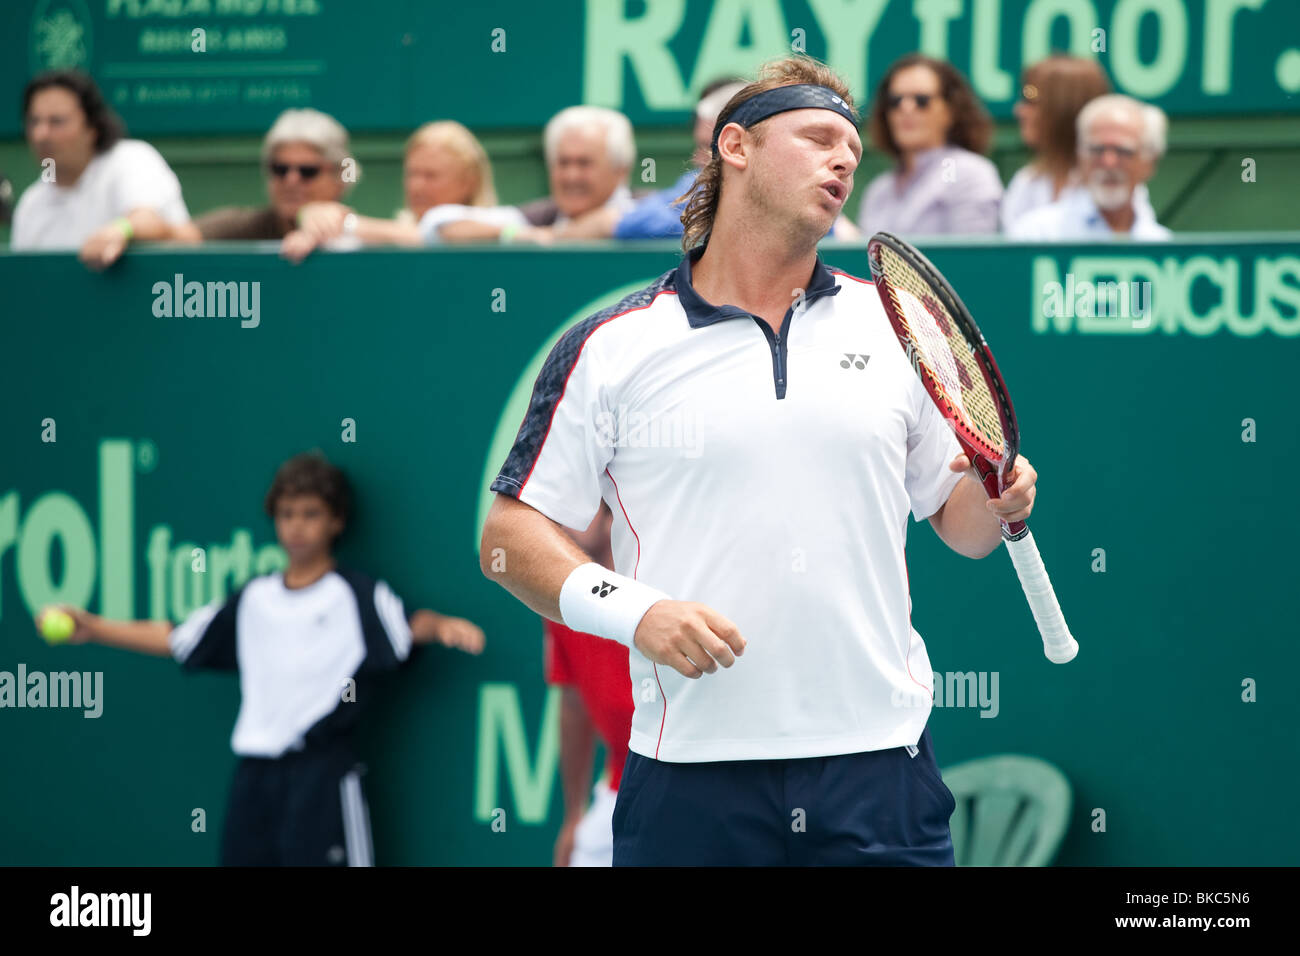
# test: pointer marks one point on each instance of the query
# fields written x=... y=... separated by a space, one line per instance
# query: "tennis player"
x=761 y=438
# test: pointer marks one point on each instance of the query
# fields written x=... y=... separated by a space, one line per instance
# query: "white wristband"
x=595 y=600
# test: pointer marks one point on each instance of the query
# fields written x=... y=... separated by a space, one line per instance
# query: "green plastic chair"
x=1011 y=810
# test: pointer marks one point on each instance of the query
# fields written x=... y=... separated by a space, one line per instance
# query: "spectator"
x=1052 y=91
x=444 y=164
x=98 y=190
x=303 y=156
x=589 y=152
x=659 y=215
x=1120 y=142
x=926 y=117
x=447 y=177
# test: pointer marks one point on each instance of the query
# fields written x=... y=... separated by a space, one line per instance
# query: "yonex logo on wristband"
x=583 y=610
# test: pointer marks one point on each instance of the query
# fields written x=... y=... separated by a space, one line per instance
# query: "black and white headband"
x=782 y=99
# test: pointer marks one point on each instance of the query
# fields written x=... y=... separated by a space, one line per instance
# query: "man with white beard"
x=1120 y=141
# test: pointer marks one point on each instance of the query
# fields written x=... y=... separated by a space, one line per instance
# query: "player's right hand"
x=692 y=639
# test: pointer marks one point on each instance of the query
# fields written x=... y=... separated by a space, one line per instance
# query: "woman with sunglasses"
x=1052 y=92
x=927 y=119
x=304 y=156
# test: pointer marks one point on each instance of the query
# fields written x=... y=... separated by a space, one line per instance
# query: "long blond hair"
x=702 y=199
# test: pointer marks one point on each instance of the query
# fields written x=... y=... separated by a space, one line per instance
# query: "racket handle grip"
x=1059 y=646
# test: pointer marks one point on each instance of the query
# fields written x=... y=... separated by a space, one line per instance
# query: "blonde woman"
x=446 y=176
x=445 y=164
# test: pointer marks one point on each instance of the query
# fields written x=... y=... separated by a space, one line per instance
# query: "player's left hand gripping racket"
x=946 y=349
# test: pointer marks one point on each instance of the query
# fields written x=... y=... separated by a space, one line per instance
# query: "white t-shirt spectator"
x=437 y=217
x=129 y=175
x=1076 y=216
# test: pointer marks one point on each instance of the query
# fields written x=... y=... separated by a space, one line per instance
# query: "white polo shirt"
x=128 y=175
x=767 y=476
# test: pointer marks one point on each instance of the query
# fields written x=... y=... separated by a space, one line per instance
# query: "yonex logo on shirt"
x=856 y=361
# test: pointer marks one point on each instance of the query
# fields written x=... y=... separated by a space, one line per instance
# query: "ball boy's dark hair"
x=311 y=474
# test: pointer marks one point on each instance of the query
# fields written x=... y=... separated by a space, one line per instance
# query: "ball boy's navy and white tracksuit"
x=307 y=660
x=770 y=476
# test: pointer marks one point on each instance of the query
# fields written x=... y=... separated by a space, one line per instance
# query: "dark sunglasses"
x=922 y=100
x=280 y=170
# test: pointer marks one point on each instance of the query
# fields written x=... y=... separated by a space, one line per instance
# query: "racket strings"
x=937 y=346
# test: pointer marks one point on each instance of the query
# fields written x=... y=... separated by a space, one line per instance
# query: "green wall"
x=229 y=66
x=168 y=431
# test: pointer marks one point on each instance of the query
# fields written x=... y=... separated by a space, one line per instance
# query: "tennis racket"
x=948 y=352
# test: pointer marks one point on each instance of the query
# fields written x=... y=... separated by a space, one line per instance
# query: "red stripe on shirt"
x=662 y=696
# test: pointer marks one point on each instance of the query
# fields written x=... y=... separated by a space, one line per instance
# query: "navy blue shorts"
x=878 y=808
x=305 y=808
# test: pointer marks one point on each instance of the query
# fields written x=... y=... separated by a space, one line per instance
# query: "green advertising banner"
x=204 y=66
x=146 y=409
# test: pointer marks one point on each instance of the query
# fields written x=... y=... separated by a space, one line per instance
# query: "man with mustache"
x=1120 y=142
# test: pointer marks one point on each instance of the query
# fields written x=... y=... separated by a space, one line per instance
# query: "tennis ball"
x=57 y=626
